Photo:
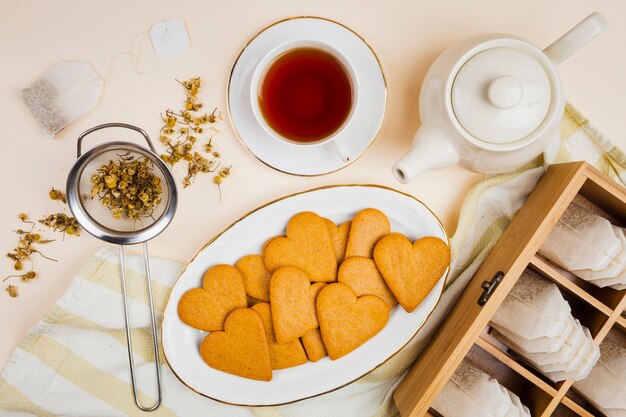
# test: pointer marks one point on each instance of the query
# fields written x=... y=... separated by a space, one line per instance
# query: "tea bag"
x=540 y=344
x=581 y=240
x=616 y=266
x=605 y=387
x=533 y=308
x=454 y=401
x=514 y=411
x=517 y=403
x=65 y=92
x=549 y=362
x=582 y=351
x=585 y=359
x=615 y=282
x=72 y=88
x=472 y=393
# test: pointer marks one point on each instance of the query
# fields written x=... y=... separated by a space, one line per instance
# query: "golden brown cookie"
x=306 y=246
x=206 y=308
x=346 y=322
x=339 y=237
x=411 y=271
x=256 y=278
x=281 y=355
x=241 y=349
x=313 y=345
x=368 y=226
x=267 y=242
x=363 y=277
x=292 y=303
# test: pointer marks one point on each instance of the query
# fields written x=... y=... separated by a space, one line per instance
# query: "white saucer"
x=361 y=129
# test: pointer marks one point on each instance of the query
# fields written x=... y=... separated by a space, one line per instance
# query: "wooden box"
x=466 y=331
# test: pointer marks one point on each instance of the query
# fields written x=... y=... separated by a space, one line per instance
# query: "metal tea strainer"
x=97 y=219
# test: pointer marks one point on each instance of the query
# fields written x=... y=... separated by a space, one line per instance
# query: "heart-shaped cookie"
x=292 y=303
x=339 y=237
x=368 y=226
x=241 y=349
x=363 y=277
x=313 y=345
x=267 y=242
x=346 y=322
x=281 y=355
x=307 y=246
x=256 y=278
x=411 y=271
x=206 y=308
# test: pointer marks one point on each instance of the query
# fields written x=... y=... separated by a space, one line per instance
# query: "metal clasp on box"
x=488 y=288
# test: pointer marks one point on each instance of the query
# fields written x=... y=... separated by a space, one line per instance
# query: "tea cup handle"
x=341 y=151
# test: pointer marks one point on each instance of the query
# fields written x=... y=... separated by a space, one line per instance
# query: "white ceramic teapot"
x=492 y=102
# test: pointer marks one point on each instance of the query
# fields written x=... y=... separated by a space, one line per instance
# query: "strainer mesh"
x=101 y=214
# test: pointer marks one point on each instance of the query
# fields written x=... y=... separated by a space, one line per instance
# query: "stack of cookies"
x=536 y=322
x=320 y=290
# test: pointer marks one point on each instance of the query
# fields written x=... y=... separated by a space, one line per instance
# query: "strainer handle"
x=106 y=125
x=129 y=342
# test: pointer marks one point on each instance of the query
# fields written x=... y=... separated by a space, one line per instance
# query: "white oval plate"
x=358 y=134
x=246 y=236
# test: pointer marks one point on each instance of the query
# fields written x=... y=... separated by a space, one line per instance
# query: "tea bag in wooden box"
x=517 y=403
x=533 y=308
x=616 y=267
x=605 y=387
x=581 y=240
x=472 y=393
x=538 y=345
x=63 y=94
x=551 y=361
x=579 y=367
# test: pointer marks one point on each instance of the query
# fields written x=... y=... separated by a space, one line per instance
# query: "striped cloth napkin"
x=74 y=362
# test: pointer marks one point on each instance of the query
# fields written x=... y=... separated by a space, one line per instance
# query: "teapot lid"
x=501 y=95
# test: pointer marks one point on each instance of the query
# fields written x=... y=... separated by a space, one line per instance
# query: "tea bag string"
x=139 y=65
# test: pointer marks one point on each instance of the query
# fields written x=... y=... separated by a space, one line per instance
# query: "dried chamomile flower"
x=128 y=187
x=28 y=276
x=12 y=290
x=60 y=222
x=187 y=124
x=197 y=164
x=25 y=249
x=225 y=172
x=57 y=195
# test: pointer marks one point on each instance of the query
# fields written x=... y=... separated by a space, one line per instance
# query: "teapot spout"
x=430 y=149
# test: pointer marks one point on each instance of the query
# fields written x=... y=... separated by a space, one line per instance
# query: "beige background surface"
x=407 y=36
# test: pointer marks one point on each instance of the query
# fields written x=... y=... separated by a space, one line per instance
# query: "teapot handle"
x=576 y=38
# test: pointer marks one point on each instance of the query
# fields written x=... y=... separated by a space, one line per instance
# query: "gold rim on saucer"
x=230 y=76
x=443 y=288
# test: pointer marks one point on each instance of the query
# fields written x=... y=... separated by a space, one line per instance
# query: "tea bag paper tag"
x=169 y=38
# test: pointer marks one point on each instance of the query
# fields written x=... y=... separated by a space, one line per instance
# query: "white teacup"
x=259 y=73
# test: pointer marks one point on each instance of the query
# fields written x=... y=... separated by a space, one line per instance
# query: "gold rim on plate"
x=232 y=70
x=268 y=204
